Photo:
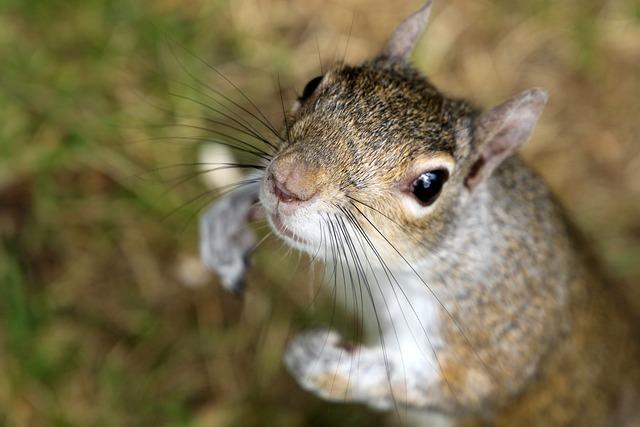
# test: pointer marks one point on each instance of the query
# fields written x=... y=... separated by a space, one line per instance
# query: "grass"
x=97 y=325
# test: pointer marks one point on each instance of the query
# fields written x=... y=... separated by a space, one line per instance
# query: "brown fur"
x=532 y=336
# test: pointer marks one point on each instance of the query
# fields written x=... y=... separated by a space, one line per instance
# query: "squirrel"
x=486 y=308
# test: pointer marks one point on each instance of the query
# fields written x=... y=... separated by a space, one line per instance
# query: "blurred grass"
x=96 y=323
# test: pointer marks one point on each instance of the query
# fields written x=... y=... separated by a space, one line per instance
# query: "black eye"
x=310 y=87
x=426 y=188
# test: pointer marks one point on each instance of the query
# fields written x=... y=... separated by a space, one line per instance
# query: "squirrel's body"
x=569 y=350
x=581 y=367
x=485 y=308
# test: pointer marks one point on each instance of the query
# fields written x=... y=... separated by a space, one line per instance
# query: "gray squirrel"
x=462 y=263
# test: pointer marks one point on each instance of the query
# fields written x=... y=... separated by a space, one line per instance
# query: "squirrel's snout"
x=292 y=182
x=284 y=194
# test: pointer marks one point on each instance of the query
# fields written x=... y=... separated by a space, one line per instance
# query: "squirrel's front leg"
x=225 y=236
x=325 y=365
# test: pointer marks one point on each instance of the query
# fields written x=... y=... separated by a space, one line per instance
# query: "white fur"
x=399 y=312
x=408 y=327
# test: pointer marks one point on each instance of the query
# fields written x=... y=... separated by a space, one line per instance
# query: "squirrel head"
x=376 y=154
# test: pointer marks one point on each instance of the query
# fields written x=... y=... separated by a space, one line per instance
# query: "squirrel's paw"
x=322 y=364
x=226 y=238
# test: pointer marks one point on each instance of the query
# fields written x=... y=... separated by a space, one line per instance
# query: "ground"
x=104 y=316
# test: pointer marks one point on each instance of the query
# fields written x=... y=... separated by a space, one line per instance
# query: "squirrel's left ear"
x=407 y=34
x=498 y=133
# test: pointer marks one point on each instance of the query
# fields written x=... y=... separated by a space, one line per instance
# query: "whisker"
x=265 y=121
x=261 y=241
x=195 y=164
x=217 y=192
x=232 y=115
x=219 y=133
x=200 y=140
x=210 y=120
x=262 y=120
x=284 y=112
x=357 y=326
x=388 y=271
x=382 y=340
x=346 y=47
x=248 y=130
x=435 y=296
x=181 y=180
x=402 y=227
x=319 y=56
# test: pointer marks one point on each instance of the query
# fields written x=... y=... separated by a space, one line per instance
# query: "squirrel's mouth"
x=285 y=231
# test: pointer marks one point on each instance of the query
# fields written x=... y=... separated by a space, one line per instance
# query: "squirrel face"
x=375 y=157
x=374 y=143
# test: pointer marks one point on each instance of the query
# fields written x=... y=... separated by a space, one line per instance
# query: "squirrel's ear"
x=499 y=132
x=406 y=36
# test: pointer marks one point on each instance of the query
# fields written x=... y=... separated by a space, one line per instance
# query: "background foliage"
x=106 y=317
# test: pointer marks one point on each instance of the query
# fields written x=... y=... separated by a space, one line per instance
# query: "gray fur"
x=226 y=239
x=487 y=310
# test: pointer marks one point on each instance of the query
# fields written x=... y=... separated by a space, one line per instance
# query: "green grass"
x=96 y=326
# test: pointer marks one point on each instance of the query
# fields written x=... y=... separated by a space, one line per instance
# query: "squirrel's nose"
x=283 y=194
x=286 y=194
x=292 y=182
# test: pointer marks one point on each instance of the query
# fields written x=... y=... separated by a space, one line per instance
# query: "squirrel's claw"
x=225 y=237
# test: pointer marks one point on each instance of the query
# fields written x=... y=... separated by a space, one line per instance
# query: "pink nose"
x=284 y=194
x=287 y=195
x=292 y=180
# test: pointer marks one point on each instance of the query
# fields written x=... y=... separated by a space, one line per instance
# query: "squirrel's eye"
x=310 y=87
x=426 y=188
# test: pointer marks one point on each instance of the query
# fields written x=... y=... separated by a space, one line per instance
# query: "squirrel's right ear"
x=407 y=34
x=499 y=133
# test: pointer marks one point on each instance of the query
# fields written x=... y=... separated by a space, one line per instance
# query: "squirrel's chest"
x=399 y=313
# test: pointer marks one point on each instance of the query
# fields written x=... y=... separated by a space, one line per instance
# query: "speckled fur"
x=527 y=334
x=531 y=336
